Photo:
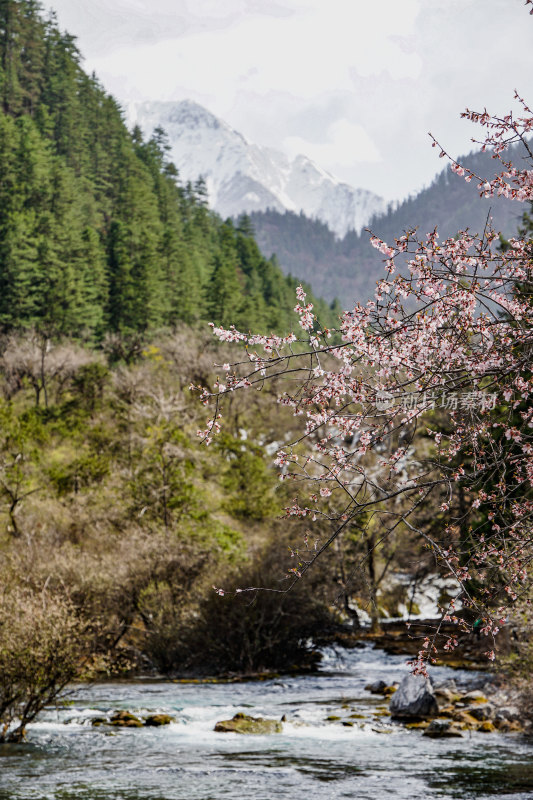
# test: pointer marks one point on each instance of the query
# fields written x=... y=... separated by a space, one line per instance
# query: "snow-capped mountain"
x=245 y=177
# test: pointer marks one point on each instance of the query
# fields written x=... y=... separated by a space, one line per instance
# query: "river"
x=67 y=758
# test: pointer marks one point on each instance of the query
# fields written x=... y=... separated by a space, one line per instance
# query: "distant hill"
x=348 y=268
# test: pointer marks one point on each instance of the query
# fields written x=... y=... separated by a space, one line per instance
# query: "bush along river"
x=327 y=737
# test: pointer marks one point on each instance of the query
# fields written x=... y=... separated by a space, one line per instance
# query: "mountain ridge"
x=243 y=177
x=350 y=267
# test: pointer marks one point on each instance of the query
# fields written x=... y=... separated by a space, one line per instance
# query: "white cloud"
x=347 y=144
x=351 y=81
x=315 y=49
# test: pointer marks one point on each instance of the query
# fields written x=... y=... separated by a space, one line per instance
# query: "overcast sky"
x=354 y=84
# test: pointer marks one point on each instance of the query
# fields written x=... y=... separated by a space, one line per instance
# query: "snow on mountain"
x=245 y=177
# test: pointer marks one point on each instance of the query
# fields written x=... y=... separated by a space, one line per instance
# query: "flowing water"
x=67 y=758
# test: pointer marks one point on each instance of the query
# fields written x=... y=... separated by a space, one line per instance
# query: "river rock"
x=125 y=719
x=441 y=728
x=448 y=711
x=414 y=699
x=446 y=695
x=467 y=721
x=509 y=713
x=482 y=712
x=474 y=697
x=378 y=687
x=449 y=684
x=506 y=726
x=156 y=720
x=242 y=723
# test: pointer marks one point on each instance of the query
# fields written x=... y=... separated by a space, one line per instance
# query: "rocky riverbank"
x=505 y=706
x=446 y=709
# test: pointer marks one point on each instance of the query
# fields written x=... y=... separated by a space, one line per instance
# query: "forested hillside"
x=114 y=520
x=96 y=232
x=350 y=267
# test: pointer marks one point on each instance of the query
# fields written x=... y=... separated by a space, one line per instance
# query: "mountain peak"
x=245 y=177
x=185 y=112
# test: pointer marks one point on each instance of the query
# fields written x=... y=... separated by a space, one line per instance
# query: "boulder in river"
x=242 y=723
x=414 y=699
x=482 y=712
x=378 y=687
x=441 y=728
x=156 y=720
x=125 y=719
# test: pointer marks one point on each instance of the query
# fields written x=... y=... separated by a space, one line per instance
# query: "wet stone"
x=474 y=697
x=509 y=713
x=442 y=728
x=156 y=720
x=378 y=687
x=242 y=723
x=414 y=699
x=125 y=719
x=482 y=712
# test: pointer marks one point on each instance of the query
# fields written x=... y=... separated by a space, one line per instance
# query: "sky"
x=356 y=85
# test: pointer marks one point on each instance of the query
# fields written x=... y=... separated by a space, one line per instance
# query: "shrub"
x=42 y=645
x=254 y=631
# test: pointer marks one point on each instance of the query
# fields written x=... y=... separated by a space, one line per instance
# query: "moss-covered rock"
x=474 y=697
x=447 y=711
x=125 y=719
x=509 y=726
x=378 y=687
x=487 y=727
x=442 y=728
x=332 y=718
x=466 y=721
x=242 y=723
x=482 y=711
x=156 y=720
